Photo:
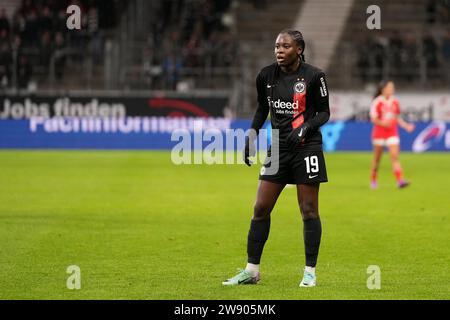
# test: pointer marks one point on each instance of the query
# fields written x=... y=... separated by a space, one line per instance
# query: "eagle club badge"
x=299 y=87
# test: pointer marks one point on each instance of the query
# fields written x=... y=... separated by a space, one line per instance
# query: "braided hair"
x=298 y=38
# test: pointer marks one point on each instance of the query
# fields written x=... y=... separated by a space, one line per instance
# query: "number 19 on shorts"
x=312 y=164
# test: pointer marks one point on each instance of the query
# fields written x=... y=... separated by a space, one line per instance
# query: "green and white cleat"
x=243 y=277
x=309 y=279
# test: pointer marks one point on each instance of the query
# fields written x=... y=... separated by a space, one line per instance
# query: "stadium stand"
x=38 y=49
x=186 y=45
x=256 y=28
x=411 y=48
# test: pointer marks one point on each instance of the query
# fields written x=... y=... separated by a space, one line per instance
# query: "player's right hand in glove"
x=249 y=150
x=297 y=136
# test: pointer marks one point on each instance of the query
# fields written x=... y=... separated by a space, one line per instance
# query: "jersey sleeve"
x=262 y=109
x=396 y=107
x=375 y=109
x=321 y=101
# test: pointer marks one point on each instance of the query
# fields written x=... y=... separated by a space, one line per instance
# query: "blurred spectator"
x=5 y=59
x=4 y=22
x=172 y=42
x=212 y=49
x=363 y=59
x=107 y=17
x=60 y=60
x=228 y=49
x=444 y=11
x=45 y=21
x=171 y=68
x=171 y=12
x=437 y=11
x=45 y=49
x=430 y=50
x=60 y=20
x=193 y=49
x=92 y=20
x=210 y=20
x=24 y=71
x=17 y=45
x=222 y=6
x=410 y=57
x=430 y=10
x=446 y=53
x=259 y=4
x=18 y=24
x=446 y=46
x=27 y=6
x=31 y=32
x=396 y=47
x=378 y=57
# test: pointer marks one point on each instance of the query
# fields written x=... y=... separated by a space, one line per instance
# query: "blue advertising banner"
x=163 y=133
x=356 y=136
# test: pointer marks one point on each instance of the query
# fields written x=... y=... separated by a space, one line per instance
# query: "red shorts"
x=382 y=136
x=394 y=140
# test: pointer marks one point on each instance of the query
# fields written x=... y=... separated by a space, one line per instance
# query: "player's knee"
x=309 y=211
x=396 y=165
x=261 y=211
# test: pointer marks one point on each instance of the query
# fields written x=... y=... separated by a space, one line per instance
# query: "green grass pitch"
x=140 y=227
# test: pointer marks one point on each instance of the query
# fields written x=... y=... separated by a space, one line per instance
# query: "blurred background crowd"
x=208 y=44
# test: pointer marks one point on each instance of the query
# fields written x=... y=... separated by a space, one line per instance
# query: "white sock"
x=310 y=270
x=253 y=268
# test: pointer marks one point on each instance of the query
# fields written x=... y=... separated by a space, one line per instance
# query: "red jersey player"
x=385 y=116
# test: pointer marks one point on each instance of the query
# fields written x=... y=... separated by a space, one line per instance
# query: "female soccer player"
x=296 y=95
x=385 y=115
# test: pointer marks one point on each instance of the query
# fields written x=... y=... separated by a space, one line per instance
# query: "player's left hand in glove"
x=297 y=136
x=249 y=150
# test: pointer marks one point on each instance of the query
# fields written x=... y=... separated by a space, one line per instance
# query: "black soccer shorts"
x=295 y=167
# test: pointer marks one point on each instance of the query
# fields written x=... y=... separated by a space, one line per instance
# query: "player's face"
x=389 y=89
x=286 y=50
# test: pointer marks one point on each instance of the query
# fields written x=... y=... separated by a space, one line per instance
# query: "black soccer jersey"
x=293 y=99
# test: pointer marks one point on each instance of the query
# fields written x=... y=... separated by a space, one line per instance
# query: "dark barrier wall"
x=17 y=107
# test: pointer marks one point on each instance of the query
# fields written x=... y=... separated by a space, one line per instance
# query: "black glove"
x=249 y=150
x=297 y=136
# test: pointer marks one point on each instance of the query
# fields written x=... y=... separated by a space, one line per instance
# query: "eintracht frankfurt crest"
x=299 y=87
